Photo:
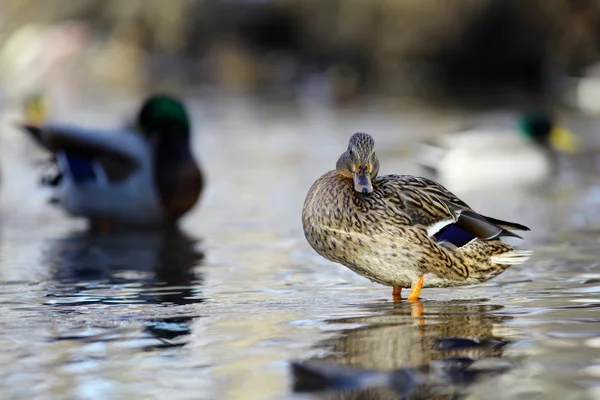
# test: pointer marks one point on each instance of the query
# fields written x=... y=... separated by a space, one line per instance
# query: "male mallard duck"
x=142 y=176
x=480 y=158
x=402 y=230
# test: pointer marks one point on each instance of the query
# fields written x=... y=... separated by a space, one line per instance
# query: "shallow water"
x=222 y=308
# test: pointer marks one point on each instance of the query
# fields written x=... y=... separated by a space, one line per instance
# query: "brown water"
x=220 y=310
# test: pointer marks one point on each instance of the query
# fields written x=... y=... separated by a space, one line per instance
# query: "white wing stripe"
x=438 y=226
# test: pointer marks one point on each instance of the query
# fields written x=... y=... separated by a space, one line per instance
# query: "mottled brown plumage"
x=388 y=228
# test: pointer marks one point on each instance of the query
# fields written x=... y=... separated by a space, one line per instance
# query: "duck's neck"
x=169 y=153
x=177 y=177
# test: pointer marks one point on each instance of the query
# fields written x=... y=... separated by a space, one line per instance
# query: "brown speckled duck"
x=401 y=230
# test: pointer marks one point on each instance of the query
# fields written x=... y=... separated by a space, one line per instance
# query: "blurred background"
x=458 y=50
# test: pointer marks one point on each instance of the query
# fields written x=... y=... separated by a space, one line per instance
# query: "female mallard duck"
x=489 y=158
x=142 y=176
x=402 y=230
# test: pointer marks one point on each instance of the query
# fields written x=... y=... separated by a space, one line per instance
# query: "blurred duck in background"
x=490 y=158
x=142 y=176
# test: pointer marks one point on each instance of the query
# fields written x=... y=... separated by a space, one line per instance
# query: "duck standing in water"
x=401 y=230
x=144 y=176
x=491 y=158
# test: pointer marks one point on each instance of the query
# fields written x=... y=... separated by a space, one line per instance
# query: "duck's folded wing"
x=447 y=218
x=480 y=224
x=467 y=227
x=119 y=153
x=420 y=185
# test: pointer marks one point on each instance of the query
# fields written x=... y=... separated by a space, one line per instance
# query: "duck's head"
x=359 y=162
x=541 y=129
x=163 y=114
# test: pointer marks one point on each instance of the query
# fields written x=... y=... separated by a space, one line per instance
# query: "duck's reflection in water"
x=147 y=271
x=430 y=350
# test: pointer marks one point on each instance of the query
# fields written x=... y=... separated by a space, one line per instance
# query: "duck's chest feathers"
x=353 y=228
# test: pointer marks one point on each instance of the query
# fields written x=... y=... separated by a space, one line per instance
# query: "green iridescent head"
x=163 y=113
x=540 y=128
x=536 y=126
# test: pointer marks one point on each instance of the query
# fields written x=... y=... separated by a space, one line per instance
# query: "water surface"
x=220 y=309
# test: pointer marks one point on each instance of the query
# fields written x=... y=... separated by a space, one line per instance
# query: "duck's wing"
x=120 y=153
x=446 y=217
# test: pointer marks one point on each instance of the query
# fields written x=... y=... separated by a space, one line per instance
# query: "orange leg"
x=397 y=293
x=415 y=290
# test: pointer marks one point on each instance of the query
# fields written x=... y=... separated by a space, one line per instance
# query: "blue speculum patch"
x=81 y=168
x=455 y=235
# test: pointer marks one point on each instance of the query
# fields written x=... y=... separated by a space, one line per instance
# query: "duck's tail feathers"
x=34 y=131
x=513 y=257
x=486 y=228
x=507 y=225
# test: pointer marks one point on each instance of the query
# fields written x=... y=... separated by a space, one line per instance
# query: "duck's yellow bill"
x=564 y=140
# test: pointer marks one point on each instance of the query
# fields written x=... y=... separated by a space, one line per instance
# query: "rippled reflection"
x=126 y=269
x=149 y=267
x=428 y=349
